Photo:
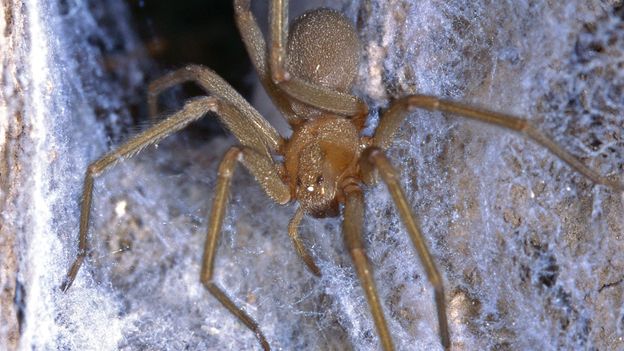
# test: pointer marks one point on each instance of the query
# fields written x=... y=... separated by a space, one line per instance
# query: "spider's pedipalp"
x=302 y=251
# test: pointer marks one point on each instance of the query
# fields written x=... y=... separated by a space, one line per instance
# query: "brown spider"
x=326 y=162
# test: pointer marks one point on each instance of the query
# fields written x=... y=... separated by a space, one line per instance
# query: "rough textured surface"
x=64 y=67
x=528 y=247
x=530 y=251
x=12 y=28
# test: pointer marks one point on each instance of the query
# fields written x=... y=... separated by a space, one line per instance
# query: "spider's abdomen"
x=323 y=48
x=320 y=154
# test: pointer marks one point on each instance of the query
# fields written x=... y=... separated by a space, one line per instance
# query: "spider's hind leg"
x=352 y=231
x=374 y=158
x=256 y=49
x=333 y=99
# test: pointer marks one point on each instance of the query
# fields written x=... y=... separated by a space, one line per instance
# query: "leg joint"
x=93 y=169
x=209 y=283
x=226 y=168
x=422 y=101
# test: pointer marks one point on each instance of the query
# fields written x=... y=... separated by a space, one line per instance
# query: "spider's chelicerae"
x=308 y=72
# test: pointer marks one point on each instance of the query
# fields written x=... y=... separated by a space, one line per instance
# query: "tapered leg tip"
x=65 y=285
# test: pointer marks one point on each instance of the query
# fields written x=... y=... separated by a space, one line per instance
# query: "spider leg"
x=260 y=166
x=226 y=171
x=249 y=127
x=256 y=49
x=374 y=157
x=311 y=94
x=299 y=247
x=352 y=230
x=193 y=110
x=394 y=116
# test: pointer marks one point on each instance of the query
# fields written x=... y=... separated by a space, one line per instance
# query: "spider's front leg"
x=395 y=115
x=352 y=230
x=192 y=110
x=256 y=49
x=262 y=167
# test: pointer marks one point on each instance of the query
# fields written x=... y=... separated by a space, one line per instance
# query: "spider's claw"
x=65 y=285
x=73 y=271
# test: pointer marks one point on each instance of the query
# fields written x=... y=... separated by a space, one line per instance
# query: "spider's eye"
x=319 y=179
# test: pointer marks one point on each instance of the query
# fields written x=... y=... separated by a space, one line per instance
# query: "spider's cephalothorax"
x=322 y=154
x=326 y=161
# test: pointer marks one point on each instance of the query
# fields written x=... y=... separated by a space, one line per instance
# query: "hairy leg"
x=248 y=126
x=352 y=231
x=374 y=158
x=260 y=166
x=395 y=115
x=192 y=111
x=226 y=171
x=256 y=49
